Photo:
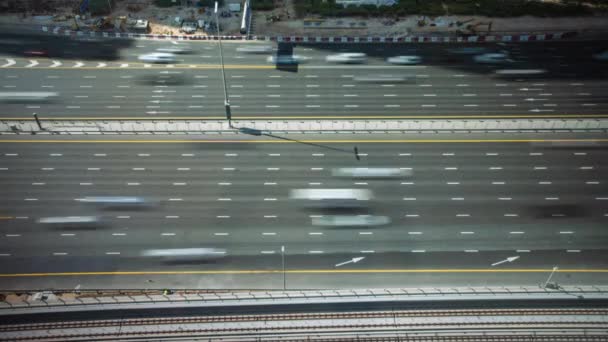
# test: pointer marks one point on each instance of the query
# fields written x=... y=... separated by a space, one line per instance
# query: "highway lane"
x=476 y=198
x=458 y=87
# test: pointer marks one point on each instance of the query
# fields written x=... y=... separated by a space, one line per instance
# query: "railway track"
x=410 y=325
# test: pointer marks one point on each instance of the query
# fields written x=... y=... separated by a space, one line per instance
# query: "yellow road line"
x=95 y=141
x=319 y=271
x=315 y=117
x=6 y=217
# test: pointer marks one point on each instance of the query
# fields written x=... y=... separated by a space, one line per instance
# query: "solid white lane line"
x=223 y=216
x=407 y=183
x=366 y=233
x=516 y=233
x=269 y=233
x=370 y=251
x=457 y=198
x=12 y=235
x=179 y=183
x=134 y=184
x=270 y=216
x=592 y=182
x=545 y=182
x=450 y=168
x=418 y=250
x=467 y=233
x=414 y=233
x=409 y=198
x=171 y=216
x=471 y=251
x=586 y=168
x=224 y=183
x=267 y=252
x=119 y=234
x=113 y=253
x=175 y=199
x=221 y=234
x=495 y=168
x=270 y=183
x=38 y=183
x=412 y=215
x=315 y=183
x=228 y=169
x=60 y=253
x=463 y=215
x=315 y=233
x=540 y=168
x=167 y=234
x=573 y=250
x=551 y=198
x=504 y=198
x=452 y=183
x=224 y=199
x=511 y=215
x=315 y=252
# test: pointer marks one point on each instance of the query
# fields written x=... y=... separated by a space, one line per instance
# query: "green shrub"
x=166 y=3
x=262 y=5
x=97 y=7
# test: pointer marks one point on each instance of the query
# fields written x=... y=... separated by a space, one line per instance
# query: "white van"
x=333 y=198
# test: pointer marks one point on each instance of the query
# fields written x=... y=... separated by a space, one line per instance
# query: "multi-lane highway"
x=448 y=83
x=469 y=203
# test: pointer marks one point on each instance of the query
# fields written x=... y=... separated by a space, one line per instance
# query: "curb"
x=59 y=30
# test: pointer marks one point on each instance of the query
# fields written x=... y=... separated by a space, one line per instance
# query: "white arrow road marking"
x=351 y=261
x=9 y=62
x=101 y=65
x=33 y=63
x=55 y=64
x=78 y=64
x=509 y=259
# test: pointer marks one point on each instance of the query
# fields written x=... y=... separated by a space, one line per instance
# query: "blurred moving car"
x=382 y=78
x=185 y=254
x=602 y=56
x=367 y=172
x=71 y=221
x=332 y=198
x=176 y=49
x=254 y=49
x=286 y=59
x=347 y=58
x=36 y=53
x=467 y=50
x=158 y=57
x=492 y=58
x=350 y=220
x=404 y=60
x=27 y=96
x=118 y=202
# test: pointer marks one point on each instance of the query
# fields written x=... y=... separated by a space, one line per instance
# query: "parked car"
x=158 y=57
x=404 y=60
x=189 y=27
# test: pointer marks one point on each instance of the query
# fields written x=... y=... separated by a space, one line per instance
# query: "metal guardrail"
x=193 y=126
x=71 y=298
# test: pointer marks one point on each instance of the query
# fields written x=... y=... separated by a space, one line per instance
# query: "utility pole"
x=283 y=266
x=219 y=39
x=550 y=276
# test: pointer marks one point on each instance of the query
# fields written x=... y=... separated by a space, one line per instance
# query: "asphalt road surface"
x=470 y=203
x=551 y=79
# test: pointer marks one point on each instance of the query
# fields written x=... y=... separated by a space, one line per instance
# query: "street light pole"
x=550 y=276
x=219 y=39
x=283 y=266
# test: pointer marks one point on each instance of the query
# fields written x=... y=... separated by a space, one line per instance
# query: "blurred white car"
x=492 y=58
x=350 y=220
x=27 y=96
x=602 y=56
x=404 y=60
x=254 y=49
x=177 y=49
x=347 y=58
x=185 y=254
x=378 y=172
x=158 y=57
x=286 y=59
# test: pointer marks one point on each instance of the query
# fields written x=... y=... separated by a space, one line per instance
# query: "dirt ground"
x=162 y=21
x=409 y=25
